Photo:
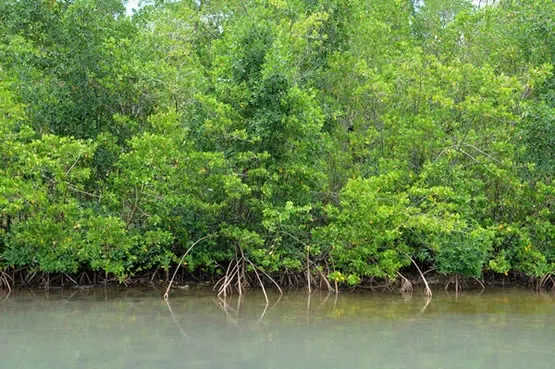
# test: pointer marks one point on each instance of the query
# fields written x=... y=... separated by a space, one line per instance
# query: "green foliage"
x=464 y=253
x=367 y=227
x=345 y=138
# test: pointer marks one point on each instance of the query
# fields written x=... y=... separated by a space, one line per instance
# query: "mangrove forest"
x=316 y=143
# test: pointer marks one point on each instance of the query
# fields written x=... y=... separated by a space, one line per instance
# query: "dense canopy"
x=311 y=140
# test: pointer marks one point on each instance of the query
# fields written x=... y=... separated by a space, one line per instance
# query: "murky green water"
x=137 y=330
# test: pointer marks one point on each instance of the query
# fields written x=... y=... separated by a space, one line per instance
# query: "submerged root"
x=237 y=278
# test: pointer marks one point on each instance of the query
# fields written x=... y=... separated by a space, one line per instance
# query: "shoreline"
x=436 y=281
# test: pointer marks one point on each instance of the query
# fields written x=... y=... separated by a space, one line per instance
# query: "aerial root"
x=406 y=285
x=480 y=282
x=544 y=279
x=236 y=276
x=261 y=284
x=167 y=293
x=71 y=279
x=326 y=281
x=427 y=289
x=232 y=276
x=454 y=280
x=461 y=283
x=272 y=280
x=5 y=281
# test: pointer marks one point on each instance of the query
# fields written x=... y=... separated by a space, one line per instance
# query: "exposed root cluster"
x=543 y=282
x=237 y=277
x=5 y=282
x=406 y=285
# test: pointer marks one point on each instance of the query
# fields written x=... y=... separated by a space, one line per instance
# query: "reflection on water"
x=138 y=329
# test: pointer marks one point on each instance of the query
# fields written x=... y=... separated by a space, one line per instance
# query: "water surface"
x=136 y=329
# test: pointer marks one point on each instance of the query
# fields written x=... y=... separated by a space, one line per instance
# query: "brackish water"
x=136 y=329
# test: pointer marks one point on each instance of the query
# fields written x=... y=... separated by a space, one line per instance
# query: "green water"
x=136 y=329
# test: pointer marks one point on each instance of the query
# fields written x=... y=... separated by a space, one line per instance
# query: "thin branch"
x=75 y=163
x=134 y=208
x=476 y=160
x=483 y=153
x=73 y=188
x=441 y=153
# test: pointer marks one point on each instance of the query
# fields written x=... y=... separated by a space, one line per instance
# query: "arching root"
x=326 y=281
x=236 y=277
x=232 y=278
x=548 y=277
x=479 y=282
x=427 y=289
x=5 y=281
x=406 y=285
x=167 y=293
